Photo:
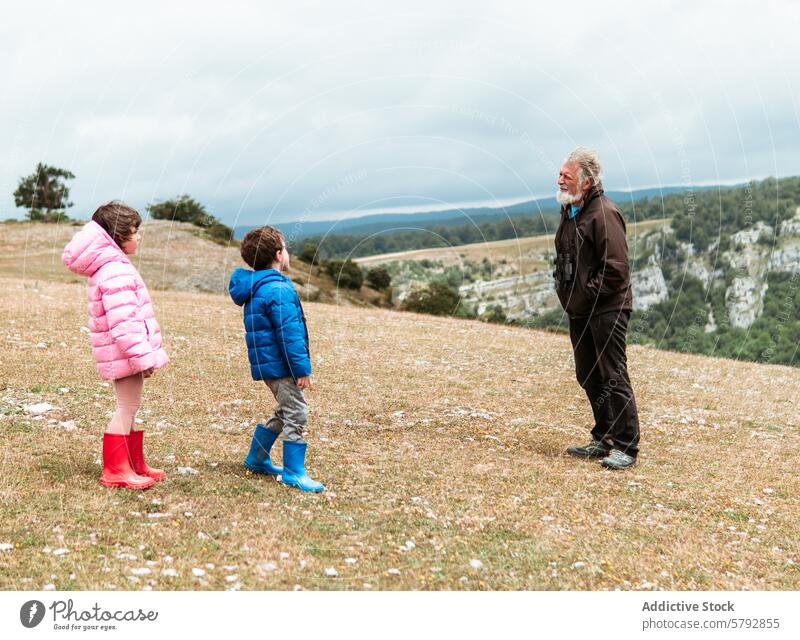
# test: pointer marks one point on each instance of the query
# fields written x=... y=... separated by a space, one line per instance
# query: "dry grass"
x=171 y=256
x=446 y=433
x=33 y=251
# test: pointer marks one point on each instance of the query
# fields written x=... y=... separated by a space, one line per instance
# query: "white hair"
x=588 y=165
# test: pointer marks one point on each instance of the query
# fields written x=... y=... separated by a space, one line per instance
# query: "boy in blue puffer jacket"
x=277 y=346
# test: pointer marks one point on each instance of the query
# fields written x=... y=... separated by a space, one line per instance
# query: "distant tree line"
x=703 y=217
x=699 y=217
x=433 y=237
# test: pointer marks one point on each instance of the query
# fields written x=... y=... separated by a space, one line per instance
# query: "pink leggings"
x=129 y=397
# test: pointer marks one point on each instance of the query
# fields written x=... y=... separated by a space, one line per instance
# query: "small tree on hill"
x=437 y=299
x=187 y=209
x=345 y=273
x=309 y=253
x=495 y=314
x=182 y=209
x=44 y=193
x=378 y=278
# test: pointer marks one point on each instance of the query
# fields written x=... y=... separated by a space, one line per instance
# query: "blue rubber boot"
x=258 y=459
x=294 y=468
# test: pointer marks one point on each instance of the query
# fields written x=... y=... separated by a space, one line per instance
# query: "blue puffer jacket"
x=277 y=338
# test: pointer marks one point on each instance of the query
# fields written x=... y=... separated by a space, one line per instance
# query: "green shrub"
x=436 y=299
x=345 y=273
x=378 y=278
x=309 y=254
x=182 y=209
x=494 y=314
x=220 y=233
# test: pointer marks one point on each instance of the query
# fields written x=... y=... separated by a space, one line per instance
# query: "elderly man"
x=593 y=284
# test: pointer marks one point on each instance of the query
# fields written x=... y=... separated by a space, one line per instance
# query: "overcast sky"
x=317 y=110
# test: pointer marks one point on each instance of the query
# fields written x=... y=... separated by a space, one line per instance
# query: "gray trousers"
x=291 y=414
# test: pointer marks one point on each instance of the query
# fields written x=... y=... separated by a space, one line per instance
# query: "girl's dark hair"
x=259 y=247
x=117 y=218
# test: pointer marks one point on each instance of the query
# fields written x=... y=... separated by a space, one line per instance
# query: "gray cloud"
x=264 y=112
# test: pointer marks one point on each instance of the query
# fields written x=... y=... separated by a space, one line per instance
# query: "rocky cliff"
x=660 y=267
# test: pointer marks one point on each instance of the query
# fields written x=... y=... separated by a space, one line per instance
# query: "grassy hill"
x=440 y=442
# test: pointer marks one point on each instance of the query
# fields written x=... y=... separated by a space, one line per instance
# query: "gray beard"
x=565 y=197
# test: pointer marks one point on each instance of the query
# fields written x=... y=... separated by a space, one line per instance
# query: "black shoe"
x=595 y=449
x=618 y=460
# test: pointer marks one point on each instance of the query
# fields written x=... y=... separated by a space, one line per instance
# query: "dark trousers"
x=601 y=367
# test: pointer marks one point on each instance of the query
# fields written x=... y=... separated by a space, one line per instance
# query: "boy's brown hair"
x=117 y=218
x=259 y=247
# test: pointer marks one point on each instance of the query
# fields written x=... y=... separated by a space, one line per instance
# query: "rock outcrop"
x=649 y=287
x=744 y=300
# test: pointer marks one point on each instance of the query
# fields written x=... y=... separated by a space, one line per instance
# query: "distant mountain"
x=386 y=222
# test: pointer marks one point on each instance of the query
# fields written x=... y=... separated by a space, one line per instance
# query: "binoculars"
x=564 y=273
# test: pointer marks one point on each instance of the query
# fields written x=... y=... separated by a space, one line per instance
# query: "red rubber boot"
x=117 y=470
x=135 y=440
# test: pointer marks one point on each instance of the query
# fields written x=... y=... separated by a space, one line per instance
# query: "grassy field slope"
x=440 y=442
x=171 y=256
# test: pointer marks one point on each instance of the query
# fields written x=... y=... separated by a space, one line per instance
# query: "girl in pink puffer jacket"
x=126 y=339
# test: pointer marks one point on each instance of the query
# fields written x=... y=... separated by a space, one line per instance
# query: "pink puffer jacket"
x=125 y=336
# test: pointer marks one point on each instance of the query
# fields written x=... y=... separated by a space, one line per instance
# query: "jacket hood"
x=245 y=282
x=90 y=249
x=593 y=192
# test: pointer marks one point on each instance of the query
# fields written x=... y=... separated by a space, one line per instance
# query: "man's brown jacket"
x=592 y=271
